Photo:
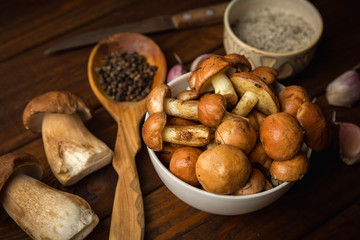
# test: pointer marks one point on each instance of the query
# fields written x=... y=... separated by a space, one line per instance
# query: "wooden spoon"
x=127 y=220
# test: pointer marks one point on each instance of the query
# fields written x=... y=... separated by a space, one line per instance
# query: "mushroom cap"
x=256 y=118
x=268 y=102
x=213 y=65
x=290 y=170
x=180 y=121
x=258 y=157
x=12 y=163
x=155 y=99
x=267 y=73
x=168 y=150
x=236 y=132
x=152 y=130
x=291 y=98
x=182 y=164
x=211 y=109
x=53 y=102
x=314 y=123
x=255 y=184
x=223 y=169
x=281 y=136
x=187 y=95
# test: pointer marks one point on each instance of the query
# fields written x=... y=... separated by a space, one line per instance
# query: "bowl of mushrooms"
x=223 y=140
x=280 y=34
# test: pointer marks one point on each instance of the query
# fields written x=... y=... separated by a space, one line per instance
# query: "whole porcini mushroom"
x=237 y=132
x=267 y=73
x=223 y=169
x=292 y=97
x=255 y=93
x=255 y=184
x=314 y=124
x=159 y=100
x=155 y=132
x=258 y=157
x=290 y=170
x=40 y=210
x=281 y=136
x=72 y=151
x=211 y=74
x=182 y=164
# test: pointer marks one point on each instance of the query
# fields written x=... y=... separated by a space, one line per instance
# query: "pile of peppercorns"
x=126 y=76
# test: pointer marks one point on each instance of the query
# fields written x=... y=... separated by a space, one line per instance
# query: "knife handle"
x=200 y=16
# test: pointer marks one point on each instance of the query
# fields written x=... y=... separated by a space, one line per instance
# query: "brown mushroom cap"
x=237 y=132
x=255 y=184
x=314 y=123
x=12 y=163
x=152 y=129
x=211 y=109
x=182 y=164
x=256 y=118
x=290 y=170
x=291 y=98
x=168 y=150
x=223 y=169
x=267 y=73
x=258 y=157
x=281 y=136
x=187 y=95
x=267 y=102
x=198 y=79
x=53 y=102
x=155 y=99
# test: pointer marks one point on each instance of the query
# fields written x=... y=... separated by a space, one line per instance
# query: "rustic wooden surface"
x=325 y=204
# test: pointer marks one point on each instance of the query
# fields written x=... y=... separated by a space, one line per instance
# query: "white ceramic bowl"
x=288 y=63
x=210 y=202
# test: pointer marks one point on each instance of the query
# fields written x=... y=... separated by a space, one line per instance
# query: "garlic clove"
x=175 y=71
x=197 y=61
x=349 y=143
x=344 y=90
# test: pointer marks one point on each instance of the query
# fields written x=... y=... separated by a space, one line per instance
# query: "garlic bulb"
x=177 y=70
x=344 y=90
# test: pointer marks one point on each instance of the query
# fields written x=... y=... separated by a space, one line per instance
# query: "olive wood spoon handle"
x=127 y=220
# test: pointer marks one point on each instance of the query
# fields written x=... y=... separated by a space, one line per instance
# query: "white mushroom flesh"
x=222 y=85
x=71 y=149
x=246 y=104
x=195 y=135
x=181 y=108
x=46 y=213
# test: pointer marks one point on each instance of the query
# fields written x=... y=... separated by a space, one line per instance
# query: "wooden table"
x=325 y=204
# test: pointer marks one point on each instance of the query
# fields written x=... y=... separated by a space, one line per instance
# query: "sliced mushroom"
x=255 y=184
x=159 y=100
x=40 y=210
x=290 y=170
x=155 y=132
x=254 y=92
x=237 y=132
x=291 y=98
x=211 y=74
x=281 y=136
x=314 y=123
x=182 y=164
x=72 y=151
x=223 y=169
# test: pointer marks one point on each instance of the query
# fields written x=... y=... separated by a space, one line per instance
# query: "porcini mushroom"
x=314 y=124
x=290 y=170
x=182 y=164
x=223 y=169
x=255 y=184
x=237 y=132
x=258 y=157
x=267 y=73
x=155 y=132
x=71 y=149
x=40 y=210
x=256 y=118
x=281 y=136
x=254 y=92
x=291 y=98
x=211 y=74
x=159 y=100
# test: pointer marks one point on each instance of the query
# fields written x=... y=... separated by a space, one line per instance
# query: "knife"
x=191 y=18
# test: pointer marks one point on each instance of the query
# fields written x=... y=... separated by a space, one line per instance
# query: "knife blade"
x=192 y=18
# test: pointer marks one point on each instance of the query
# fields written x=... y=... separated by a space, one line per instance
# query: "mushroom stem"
x=44 y=212
x=195 y=136
x=181 y=108
x=72 y=151
x=223 y=86
x=246 y=104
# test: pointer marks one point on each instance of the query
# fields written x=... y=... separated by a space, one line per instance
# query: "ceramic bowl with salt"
x=278 y=33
